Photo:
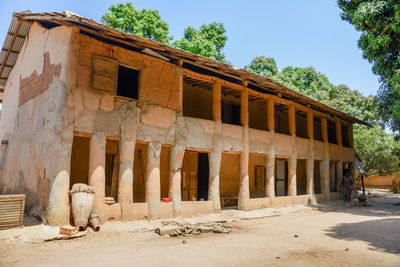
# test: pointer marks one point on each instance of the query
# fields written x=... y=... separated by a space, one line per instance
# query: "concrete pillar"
x=97 y=176
x=177 y=153
x=244 y=193
x=125 y=181
x=153 y=194
x=270 y=164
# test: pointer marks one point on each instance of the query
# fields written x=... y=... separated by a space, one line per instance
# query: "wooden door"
x=280 y=178
x=189 y=176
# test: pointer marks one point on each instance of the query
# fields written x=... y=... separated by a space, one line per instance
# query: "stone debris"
x=193 y=229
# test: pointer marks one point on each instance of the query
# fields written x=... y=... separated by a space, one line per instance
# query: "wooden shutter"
x=104 y=74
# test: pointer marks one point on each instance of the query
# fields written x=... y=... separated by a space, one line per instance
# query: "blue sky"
x=297 y=33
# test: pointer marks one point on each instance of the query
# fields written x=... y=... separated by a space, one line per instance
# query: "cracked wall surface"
x=49 y=98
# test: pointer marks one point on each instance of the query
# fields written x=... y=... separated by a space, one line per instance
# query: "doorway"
x=281 y=177
x=195 y=176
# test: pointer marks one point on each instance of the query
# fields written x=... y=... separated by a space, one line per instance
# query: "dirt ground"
x=324 y=235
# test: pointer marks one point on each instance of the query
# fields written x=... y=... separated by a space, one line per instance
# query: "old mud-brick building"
x=141 y=121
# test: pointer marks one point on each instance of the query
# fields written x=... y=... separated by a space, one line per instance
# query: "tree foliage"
x=207 y=41
x=263 y=66
x=377 y=149
x=379 y=24
x=145 y=23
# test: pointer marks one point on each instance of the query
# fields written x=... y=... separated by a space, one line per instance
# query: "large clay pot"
x=82 y=203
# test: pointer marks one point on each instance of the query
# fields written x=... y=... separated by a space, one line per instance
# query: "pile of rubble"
x=193 y=229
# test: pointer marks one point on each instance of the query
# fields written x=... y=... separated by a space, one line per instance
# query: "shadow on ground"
x=381 y=234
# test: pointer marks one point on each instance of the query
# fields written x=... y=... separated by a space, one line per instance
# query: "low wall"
x=378 y=182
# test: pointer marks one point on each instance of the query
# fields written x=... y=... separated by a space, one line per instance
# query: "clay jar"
x=82 y=203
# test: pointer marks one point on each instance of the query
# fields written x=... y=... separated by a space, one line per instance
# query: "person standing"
x=348 y=187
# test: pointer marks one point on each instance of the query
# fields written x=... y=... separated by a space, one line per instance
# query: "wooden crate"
x=11 y=210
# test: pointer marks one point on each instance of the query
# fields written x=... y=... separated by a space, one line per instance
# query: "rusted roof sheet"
x=211 y=66
x=12 y=45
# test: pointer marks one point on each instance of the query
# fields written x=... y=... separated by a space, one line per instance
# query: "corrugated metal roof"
x=15 y=38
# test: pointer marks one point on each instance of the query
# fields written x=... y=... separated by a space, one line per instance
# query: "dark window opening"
x=281 y=177
x=112 y=168
x=345 y=136
x=79 y=160
x=317 y=129
x=317 y=177
x=202 y=176
x=230 y=113
x=197 y=99
x=128 y=82
x=301 y=177
x=332 y=132
x=301 y=124
x=281 y=116
x=164 y=171
x=258 y=114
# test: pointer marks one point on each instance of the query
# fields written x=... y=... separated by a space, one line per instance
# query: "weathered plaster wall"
x=40 y=117
x=34 y=116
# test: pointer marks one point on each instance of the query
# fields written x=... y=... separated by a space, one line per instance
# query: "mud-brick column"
x=324 y=167
x=292 y=183
x=244 y=193
x=339 y=163
x=216 y=154
x=177 y=153
x=351 y=142
x=125 y=183
x=97 y=176
x=310 y=160
x=153 y=194
x=270 y=164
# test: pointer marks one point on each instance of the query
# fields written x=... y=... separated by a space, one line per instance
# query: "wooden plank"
x=11 y=210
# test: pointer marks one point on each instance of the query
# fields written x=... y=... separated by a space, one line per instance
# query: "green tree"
x=379 y=24
x=377 y=150
x=263 y=66
x=207 y=41
x=145 y=23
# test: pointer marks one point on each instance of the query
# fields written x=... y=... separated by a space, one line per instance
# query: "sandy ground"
x=325 y=235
